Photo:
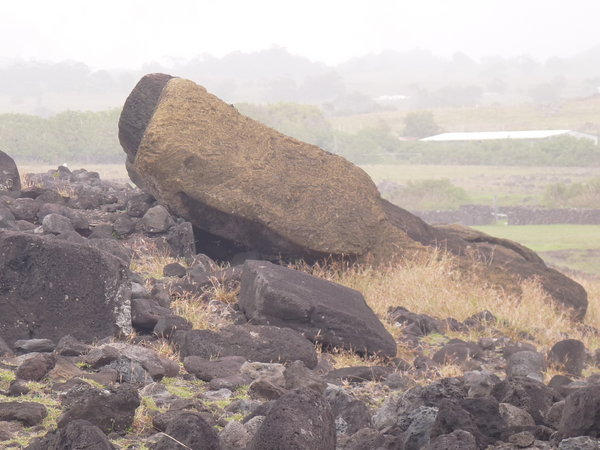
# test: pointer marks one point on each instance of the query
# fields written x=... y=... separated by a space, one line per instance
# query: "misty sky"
x=127 y=33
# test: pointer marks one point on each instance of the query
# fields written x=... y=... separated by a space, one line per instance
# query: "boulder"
x=457 y=440
x=34 y=345
x=350 y=414
x=581 y=414
x=50 y=288
x=526 y=393
x=298 y=420
x=28 y=413
x=10 y=181
x=526 y=363
x=420 y=427
x=78 y=434
x=36 y=367
x=568 y=355
x=237 y=179
x=24 y=209
x=56 y=224
x=110 y=410
x=324 y=312
x=188 y=430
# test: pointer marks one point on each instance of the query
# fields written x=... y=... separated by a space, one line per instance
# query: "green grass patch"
x=576 y=247
x=545 y=238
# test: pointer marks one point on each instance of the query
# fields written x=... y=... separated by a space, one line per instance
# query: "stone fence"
x=513 y=215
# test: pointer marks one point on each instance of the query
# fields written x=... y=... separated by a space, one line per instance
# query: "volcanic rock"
x=298 y=420
x=10 y=181
x=254 y=342
x=50 y=288
x=324 y=312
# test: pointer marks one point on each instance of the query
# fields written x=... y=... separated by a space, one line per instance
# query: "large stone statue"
x=258 y=190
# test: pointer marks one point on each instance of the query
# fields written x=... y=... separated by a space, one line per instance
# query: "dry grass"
x=148 y=259
x=432 y=285
x=203 y=311
x=435 y=286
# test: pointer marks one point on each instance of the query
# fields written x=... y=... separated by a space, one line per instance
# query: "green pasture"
x=575 y=247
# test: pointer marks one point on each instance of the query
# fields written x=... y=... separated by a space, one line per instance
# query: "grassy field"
x=509 y=185
x=576 y=247
x=576 y=114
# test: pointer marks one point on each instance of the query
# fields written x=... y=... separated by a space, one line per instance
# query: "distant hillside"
x=413 y=80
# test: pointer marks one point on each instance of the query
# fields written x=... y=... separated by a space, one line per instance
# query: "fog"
x=69 y=54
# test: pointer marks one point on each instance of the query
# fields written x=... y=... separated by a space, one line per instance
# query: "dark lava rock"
x=579 y=443
x=56 y=288
x=581 y=413
x=76 y=435
x=255 y=343
x=298 y=420
x=457 y=440
x=174 y=270
x=358 y=374
x=34 y=345
x=36 y=367
x=207 y=369
x=130 y=371
x=28 y=413
x=479 y=416
x=533 y=396
x=10 y=181
x=458 y=352
x=57 y=224
x=4 y=348
x=24 y=209
x=157 y=220
x=192 y=431
x=297 y=376
x=568 y=355
x=350 y=413
x=364 y=439
x=109 y=410
x=70 y=346
x=145 y=314
x=415 y=324
x=324 y=312
x=101 y=356
x=167 y=325
x=138 y=204
x=526 y=363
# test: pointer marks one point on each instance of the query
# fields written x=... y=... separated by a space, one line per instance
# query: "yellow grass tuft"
x=204 y=312
x=148 y=259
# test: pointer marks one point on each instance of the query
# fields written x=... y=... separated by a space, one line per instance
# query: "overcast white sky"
x=127 y=33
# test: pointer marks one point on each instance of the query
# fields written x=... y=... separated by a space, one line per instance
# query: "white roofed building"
x=498 y=135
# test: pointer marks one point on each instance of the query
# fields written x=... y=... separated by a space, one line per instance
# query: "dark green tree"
x=419 y=124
